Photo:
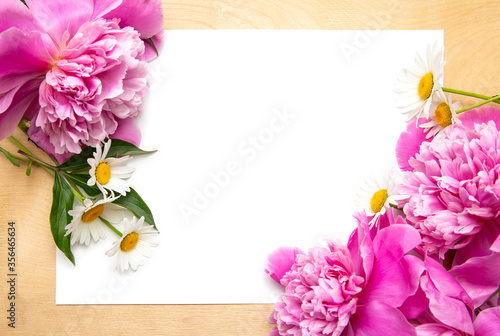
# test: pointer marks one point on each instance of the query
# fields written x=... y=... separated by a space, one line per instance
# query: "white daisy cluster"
x=420 y=95
x=90 y=220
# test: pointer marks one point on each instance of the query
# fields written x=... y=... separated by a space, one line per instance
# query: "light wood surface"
x=471 y=50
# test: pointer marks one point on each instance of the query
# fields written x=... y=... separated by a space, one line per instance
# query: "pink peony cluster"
x=381 y=283
x=453 y=188
x=350 y=290
x=76 y=69
x=430 y=268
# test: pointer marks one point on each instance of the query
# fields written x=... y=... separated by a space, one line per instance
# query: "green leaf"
x=81 y=181
x=118 y=147
x=78 y=162
x=122 y=148
x=134 y=203
x=10 y=157
x=28 y=169
x=62 y=202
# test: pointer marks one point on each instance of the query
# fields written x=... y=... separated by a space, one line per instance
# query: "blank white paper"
x=263 y=139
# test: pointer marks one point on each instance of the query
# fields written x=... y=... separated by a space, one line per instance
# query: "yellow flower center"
x=425 y=86
x=92 y=214
x=443 y=115
x=103 y=173
x=378 y=200
x=129 y=242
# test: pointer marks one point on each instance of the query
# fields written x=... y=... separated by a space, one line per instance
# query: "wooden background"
x=472 y=53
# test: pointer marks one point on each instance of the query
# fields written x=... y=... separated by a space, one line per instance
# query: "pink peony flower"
x=77 y=69
x=454 y=190
x=281 y=261
x=353 y=290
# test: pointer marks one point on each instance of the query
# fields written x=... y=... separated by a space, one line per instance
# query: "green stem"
x=108 y=224
x=466 y=93
x=77 y=194
x=39 y=162
x=492 y=99
x=49 y=169
x=20 y=146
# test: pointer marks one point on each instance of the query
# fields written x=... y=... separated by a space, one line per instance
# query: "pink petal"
x=21 y=103
x=43 y=141
x=21 y=54
x=496 y=245
x=480 y=115
x=127 y=130
x=59 y=16
x=149 y=52
x=387 y=273
x=360 y=246
x=280 y=262
x=436 y=329
x=409 y=144
x=479 y=276
x=103 y=7
x=396 y=240
x=448 y=301
x=15 y=14
x=145 y=16
x=488 y=322
x=377 y=318
x=415 y=305
x=274 y=332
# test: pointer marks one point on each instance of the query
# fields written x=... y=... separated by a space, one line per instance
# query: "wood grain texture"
x=472 y=54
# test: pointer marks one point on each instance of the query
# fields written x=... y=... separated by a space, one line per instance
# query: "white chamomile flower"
x=137 y=242
x=109 y=173
x=417 y=87
x=87 y=220
x=443 y=114
x=377 y=195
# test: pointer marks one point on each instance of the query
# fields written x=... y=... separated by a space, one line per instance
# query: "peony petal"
x=360 y=246
x=448 y=301
x=43 y=141
x=280 y=262
x=150 y=53
x=15 y=14
x=145 y=16
x=22 y=54
x=23 y=103
x=377 y=318
x=436 y=329
x=480 y=115
x=408 y=144
x=396 y=240
x=488 y=322
x=387 y=272
x=479 y=276
x=59 y=16
x=415 y=305
x=127 y=130
x=103 y=7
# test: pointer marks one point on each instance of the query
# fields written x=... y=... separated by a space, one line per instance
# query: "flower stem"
x=492 y=99
x=48 y=168
x=19 y=145
x=108 y=224
x=75 y=191
x=471 y=94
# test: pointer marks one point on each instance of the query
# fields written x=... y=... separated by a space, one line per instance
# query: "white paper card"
x=263 y=139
